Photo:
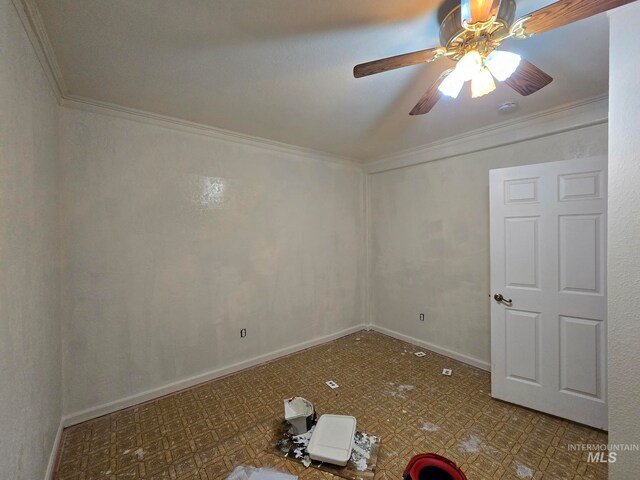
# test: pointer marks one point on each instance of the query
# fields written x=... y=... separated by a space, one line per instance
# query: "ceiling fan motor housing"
x=455 y=37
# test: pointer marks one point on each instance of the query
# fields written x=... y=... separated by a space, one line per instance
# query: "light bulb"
x=482 y=83
x=469 y=65
x=502 y=64
x=451 y=85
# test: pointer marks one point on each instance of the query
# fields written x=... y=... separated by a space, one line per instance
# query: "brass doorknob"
x=498 y=297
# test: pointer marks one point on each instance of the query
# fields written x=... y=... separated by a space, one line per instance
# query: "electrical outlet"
x=422 y=317
x=447 y=371
x=243 y=333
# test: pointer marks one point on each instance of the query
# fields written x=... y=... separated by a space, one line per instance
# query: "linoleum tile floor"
x=202 y=433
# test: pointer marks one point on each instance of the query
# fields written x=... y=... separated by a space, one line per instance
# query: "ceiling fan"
x=472 y=33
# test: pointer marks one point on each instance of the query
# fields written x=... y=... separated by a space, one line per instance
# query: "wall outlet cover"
x=447 y=372
x=420 y=354
x=331 y=384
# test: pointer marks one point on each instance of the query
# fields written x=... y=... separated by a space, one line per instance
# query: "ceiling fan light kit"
x=480 y=71
x=471 y=33
x=482 y=84
x=451 y=85
x=469 y=65
x=502 y=64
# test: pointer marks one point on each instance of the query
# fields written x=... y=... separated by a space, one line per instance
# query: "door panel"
x=579 y=186
x=521 y=252
x=521 y=191
x=580 y=253
x=522 y=359
x=548 y=255
x=580 y=356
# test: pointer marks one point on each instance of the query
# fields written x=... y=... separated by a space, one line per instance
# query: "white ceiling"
x=282 y=69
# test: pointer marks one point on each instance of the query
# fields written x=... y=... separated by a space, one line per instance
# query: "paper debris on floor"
x=245 y=472
x=523 y=471
x=361 y=466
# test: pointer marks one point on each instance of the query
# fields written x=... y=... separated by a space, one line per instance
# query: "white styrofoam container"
x=332 y=439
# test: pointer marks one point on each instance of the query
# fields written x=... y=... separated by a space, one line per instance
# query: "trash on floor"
x=331 y=384
x=447 y=371
x=299 y=412
x=332 y=440
x=430 y=427
x=245 y=472
x=362 y=450
x=360 y=466
x=398 y=391
x=523 y=471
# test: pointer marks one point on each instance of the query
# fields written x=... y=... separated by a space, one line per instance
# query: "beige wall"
x=173 y=242
x=429 y=241
x=30 y=366
x=624 y=240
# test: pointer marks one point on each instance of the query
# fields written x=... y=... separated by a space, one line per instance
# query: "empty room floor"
x=203 y=432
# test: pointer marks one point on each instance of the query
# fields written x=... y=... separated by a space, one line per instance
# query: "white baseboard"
x=475 y=362
x=110 y=407
x=53 y=456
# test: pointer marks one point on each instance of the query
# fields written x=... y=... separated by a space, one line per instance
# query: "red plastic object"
x=426 y=466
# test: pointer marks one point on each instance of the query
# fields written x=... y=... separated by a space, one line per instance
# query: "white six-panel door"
x=548 y=254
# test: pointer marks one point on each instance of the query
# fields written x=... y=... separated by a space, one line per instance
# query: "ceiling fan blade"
x=528 y=79
x=561 y=13
x=399 y=61
x=431 y=96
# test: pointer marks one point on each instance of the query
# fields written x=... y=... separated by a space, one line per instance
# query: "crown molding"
x=563 y=118
x=31 y=19
x=34 y=27
x=571 y=116
x=105 y=108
